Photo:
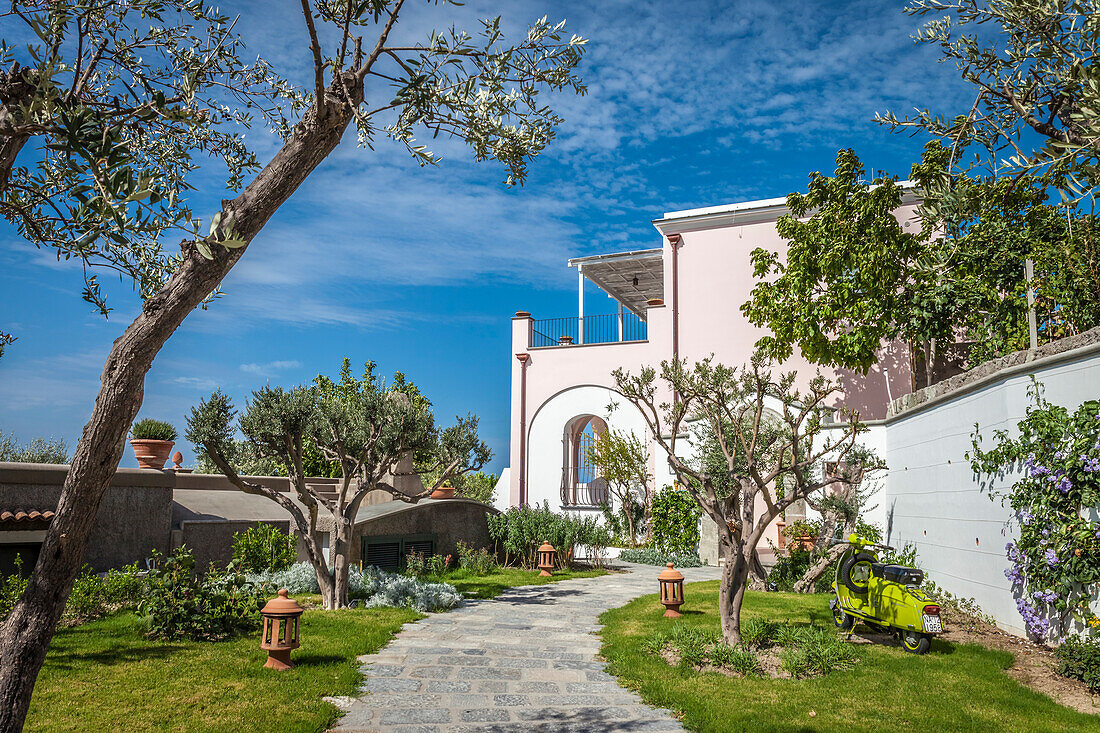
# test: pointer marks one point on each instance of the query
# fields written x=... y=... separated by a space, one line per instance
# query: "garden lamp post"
x=547 y=554
x=672 y=591
x=280 y=633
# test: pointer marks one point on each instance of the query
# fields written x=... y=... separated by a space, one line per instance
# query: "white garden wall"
x=934 y=500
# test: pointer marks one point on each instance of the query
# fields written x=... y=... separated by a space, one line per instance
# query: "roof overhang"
x=747 y=212
x=632 y=278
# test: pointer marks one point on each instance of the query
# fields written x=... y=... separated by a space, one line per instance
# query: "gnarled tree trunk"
x=25 y=636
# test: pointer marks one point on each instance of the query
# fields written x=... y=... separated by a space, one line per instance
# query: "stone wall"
x=447 y=521
x=133 y=520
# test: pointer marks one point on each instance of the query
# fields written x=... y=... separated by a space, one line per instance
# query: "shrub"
x=373 y=586
x=477 y=561
x=150 y=429
x=11 y=588
x=264 y=547
x=39 y=450
x=180 y=604
x=520 y=531
x=1079 y=659
x=675 y=521
x=653 y=556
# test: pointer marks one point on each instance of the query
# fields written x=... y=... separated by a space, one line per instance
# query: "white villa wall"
x=544 y=457
x=933 y=499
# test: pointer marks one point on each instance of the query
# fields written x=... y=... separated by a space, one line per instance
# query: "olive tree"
x=623 y=461
x=772 y=437
x=1032 y=67
x=371 y=430
x=104 y=115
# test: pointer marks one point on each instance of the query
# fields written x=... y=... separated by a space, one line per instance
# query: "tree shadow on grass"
x=318 y=660
x=119 y=653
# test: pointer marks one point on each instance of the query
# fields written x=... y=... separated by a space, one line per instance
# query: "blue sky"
x=690 y=104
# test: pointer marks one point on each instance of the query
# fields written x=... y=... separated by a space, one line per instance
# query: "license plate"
x=932 y=624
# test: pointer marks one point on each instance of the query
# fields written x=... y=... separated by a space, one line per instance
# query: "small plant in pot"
x=152 y=441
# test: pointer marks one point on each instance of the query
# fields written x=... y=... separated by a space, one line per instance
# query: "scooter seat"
x=902 y=574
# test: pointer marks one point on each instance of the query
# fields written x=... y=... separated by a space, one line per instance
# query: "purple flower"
x=1060 y=455
x=1064 y=485
x=1025 y=516
x=1052 y=557
x=1048 y=596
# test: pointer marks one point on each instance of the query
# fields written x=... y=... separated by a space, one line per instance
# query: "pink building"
x=679 y=299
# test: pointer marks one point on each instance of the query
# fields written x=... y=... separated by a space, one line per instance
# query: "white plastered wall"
x=934 y=500
x=547 y=429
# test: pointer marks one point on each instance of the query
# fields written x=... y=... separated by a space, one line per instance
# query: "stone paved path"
x=524 y=661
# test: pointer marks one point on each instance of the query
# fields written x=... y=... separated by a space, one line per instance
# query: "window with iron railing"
x=602 y=329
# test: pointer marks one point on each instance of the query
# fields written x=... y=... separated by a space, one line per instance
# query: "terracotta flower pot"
x=806 y=542
x=444 y=492
x=152 y=453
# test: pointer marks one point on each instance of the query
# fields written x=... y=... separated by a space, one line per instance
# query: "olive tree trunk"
x=25 y=635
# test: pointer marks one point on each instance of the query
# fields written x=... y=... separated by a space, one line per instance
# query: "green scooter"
x=887 y=598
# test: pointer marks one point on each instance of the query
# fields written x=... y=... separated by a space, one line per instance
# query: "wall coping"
x=48 y=474
x=996 y=370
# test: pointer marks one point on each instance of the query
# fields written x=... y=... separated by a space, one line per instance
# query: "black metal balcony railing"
x=582 y=488
x=602 y=329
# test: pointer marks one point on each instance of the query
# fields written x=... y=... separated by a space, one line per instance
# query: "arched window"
x=580 y=484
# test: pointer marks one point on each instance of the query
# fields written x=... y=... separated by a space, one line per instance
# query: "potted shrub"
x=152 y=441
x=444 y=492
x=800 y=533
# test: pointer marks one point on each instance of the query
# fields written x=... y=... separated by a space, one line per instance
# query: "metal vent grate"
x=424 y=547
x=386 y=555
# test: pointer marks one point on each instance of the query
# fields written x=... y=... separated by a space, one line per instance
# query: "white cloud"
x=270 y=367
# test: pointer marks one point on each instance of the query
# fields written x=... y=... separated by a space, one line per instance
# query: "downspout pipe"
x=523 y=359
x=674 y=241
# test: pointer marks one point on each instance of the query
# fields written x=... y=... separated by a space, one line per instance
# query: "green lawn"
x=952 y=688
x=105 y=676
x=492 y=585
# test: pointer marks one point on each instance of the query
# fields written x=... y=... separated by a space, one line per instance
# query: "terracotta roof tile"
x=25 y=515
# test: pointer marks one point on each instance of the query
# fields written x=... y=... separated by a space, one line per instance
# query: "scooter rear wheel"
x=843 y=620
x=915 y=642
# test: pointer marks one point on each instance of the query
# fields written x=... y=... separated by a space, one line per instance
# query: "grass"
x=953 y=687
x=105 y=675
x=493 y=584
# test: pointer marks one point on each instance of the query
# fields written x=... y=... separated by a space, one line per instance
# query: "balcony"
x=603 y=329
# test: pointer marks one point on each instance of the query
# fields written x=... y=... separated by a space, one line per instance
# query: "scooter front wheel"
x=843 y=620
x=915 y=642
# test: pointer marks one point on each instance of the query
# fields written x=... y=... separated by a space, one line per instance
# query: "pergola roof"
x=615 y=274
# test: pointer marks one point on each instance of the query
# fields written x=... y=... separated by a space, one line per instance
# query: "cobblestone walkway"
x=524 y=661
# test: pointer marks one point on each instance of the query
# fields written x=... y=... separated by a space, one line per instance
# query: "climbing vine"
x=1055 y=563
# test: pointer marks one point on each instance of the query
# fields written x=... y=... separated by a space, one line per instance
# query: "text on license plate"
x=932 y=624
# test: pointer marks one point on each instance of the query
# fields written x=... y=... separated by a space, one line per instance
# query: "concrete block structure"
x=146 y=510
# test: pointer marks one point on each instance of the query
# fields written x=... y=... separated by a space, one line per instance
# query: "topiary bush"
x=675 y=521
x=264 y=547
x=653 y=556
x=150 y=429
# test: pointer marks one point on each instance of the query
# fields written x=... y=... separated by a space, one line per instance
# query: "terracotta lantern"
x=672 y=591
x=280 y=634
x=547 y=555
